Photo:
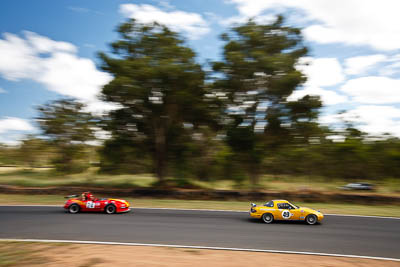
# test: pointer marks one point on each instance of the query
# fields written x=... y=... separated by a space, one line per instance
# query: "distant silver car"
x=358 y=186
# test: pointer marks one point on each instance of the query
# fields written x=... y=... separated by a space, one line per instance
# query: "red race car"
x=87 y=202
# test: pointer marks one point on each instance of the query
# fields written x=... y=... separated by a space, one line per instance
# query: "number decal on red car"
x=90 y=205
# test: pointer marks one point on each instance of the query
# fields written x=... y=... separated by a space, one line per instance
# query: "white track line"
x=23 y=205
x=198 y=247
x=364 y=216
x=212 y=210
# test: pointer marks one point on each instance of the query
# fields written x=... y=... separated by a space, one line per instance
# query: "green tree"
x=8 y=155
x=34 y=152
x=159 y=88
x=258 y=73
x=68 y=127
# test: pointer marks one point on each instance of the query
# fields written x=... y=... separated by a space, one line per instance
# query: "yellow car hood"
x=309 y=210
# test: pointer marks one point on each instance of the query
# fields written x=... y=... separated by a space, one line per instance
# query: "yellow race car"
x=284 y=210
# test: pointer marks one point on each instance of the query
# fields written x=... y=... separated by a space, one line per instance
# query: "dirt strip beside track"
x=107 y=255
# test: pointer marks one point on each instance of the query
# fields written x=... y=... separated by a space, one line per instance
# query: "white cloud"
x=2 y=91
x=14 y=124
x=328 y=97
x=393 y=67
x=330 y=119
x=252 y=8
x=99 y=107
x=13 y=129
x=11 y=142
x=165 y=4
x=389 y=65
x=351 y=22
x=390 y=69
x=320 y=72
x=70 y=75
x=191 y=23
x=373 y=90
x=337 y=138
x=42 y=44
x=361 y=64
x=375 y=120
x=16 y=57
x=52 y=63
x=264 y=19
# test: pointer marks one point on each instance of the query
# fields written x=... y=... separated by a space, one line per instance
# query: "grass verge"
x=20 y=254
x=327 y=208
x=47 y=177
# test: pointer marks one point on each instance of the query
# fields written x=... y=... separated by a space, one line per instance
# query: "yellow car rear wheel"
x=267 y=218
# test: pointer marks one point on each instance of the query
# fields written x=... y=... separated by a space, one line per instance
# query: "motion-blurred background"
x=232 y=95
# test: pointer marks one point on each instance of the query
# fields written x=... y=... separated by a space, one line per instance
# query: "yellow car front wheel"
x=267 y=218
x=311 y=219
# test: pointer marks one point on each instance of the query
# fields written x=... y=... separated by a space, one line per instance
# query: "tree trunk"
x=160 y=152
x=254 y=174
x=254 y=179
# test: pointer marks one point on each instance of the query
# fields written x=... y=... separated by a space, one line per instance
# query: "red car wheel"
x=74 y=208
x=110 y=209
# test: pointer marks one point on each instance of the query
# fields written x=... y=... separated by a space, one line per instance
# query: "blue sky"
x=48 y=50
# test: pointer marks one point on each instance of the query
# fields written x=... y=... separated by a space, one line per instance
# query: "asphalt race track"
x=377 y=237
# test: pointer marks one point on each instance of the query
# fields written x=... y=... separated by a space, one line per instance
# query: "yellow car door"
x=295 y=213
x=287 y=211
